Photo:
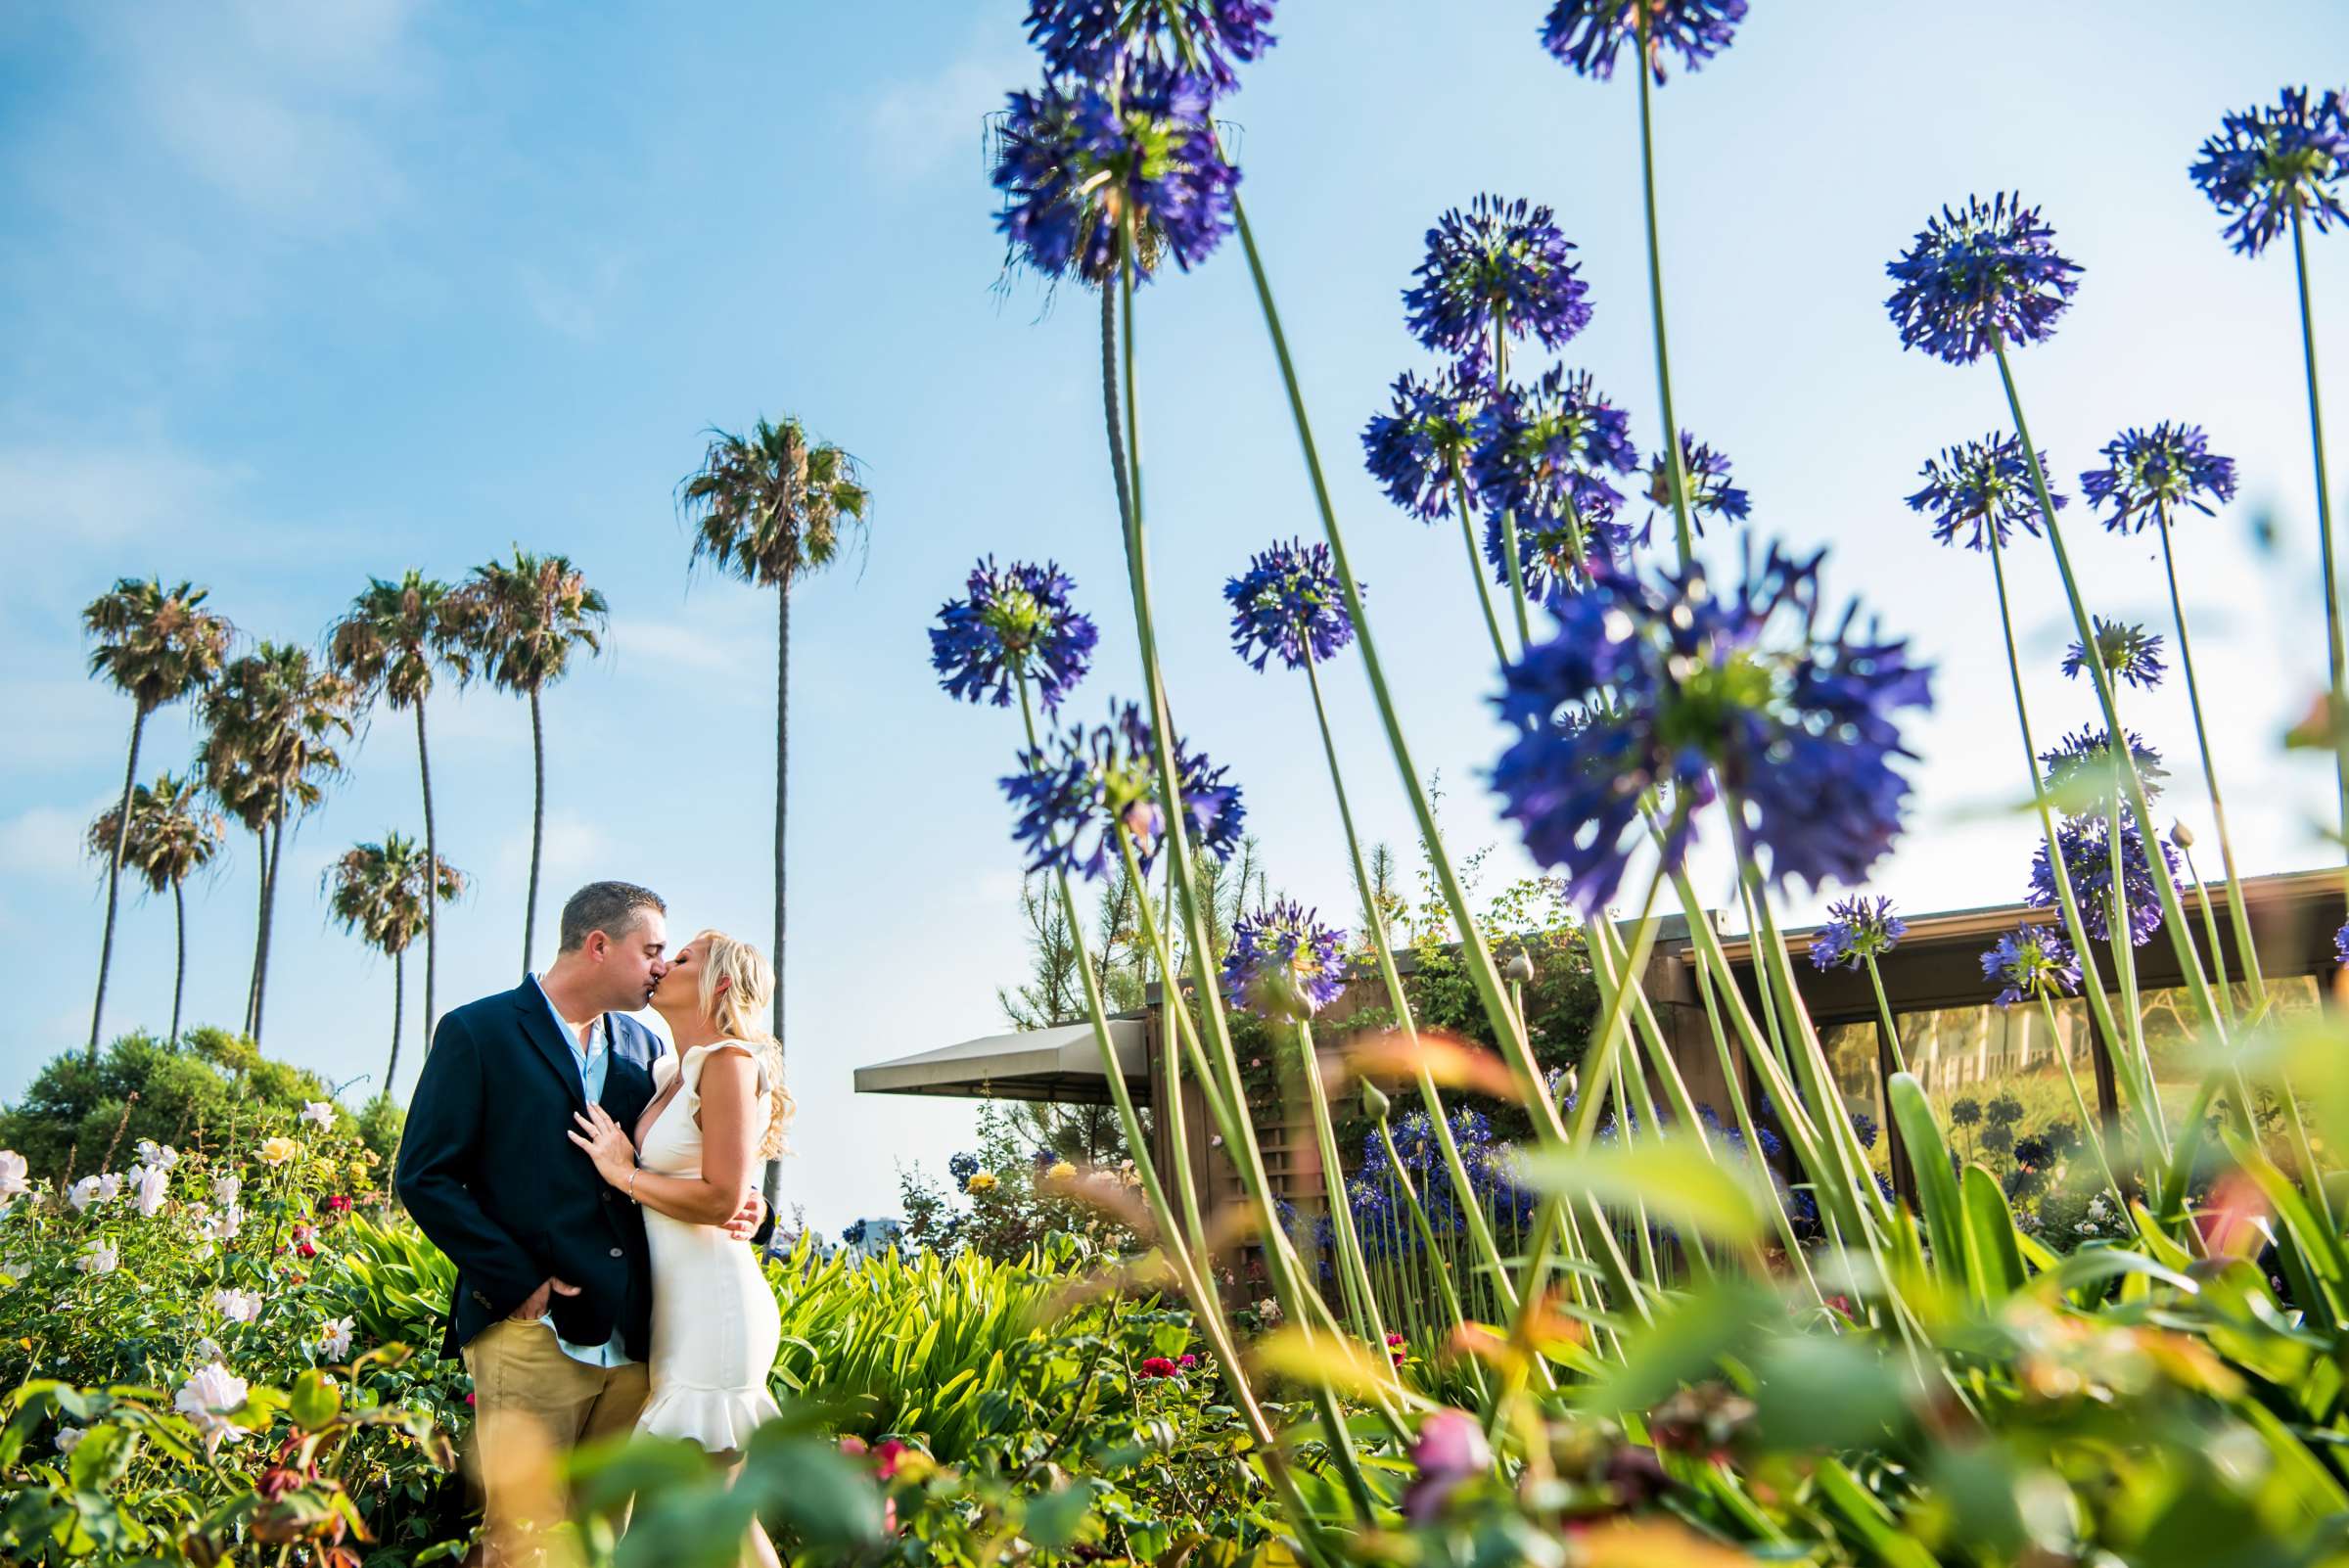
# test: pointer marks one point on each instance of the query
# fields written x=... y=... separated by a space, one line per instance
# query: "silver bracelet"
x=633 y=1183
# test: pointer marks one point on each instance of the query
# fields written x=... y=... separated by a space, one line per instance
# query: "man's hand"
x=745 y=1223
x=534 y=1306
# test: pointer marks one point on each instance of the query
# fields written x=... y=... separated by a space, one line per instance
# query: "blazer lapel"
x=538 y=1028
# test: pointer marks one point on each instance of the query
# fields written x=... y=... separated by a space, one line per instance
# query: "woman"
x=719 y=1110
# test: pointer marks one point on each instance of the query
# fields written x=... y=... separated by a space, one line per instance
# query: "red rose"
x=886 y=1457
x=1157 y=1366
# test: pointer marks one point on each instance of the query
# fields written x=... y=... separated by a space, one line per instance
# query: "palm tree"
x=379 y=892
x=157 y=646
x=767 y=509
x=392 y=642
x=170 y=837
x=521 y=619
x=271 y=721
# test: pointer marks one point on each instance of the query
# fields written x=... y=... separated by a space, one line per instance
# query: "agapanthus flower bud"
x=1015 y=623
x=2265 y=164
x=2182 y=835
x=1500 y=262
x=1987 y=275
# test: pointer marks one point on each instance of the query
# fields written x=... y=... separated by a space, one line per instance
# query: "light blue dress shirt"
x=594 y=1062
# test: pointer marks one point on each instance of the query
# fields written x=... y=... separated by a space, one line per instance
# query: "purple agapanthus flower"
x=1015 y=623
x=1077 y=158
x=1289 y=603
x=1552 y=552
x=1283 y=963
x=1090 y=37
x=1984 y=487
x=1544 y=447
x=1499 y=261
x=2032 y=961
x=1858 y=929
x=2127 y=652
x=1710 y=492
x=1076 y=791
x=2266 y=163
x=1419 y=450
x=1987 y=275
x=2086 y=844
x=2146 y=473
x=1657 y=681
x=2082 y=771
x=2340 y=945
x=1587 y=34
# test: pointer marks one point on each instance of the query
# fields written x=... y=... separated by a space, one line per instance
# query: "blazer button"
x=617 y=1253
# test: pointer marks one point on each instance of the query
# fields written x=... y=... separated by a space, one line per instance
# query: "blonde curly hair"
x=739 y=1011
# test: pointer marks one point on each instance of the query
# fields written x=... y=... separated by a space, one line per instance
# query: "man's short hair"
x=611 y=907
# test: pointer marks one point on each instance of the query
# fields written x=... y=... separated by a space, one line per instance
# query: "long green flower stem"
x=1508 y=515
x=1892 y=1031
x=2339 y=707
x=1427 y=1241
x=1674 y=460
x=1197 y=1287
x=1895 y=1148
x=2238 y=916
x=2091 y=986
x=1476 y=563
x=1482 y=972
x=2210 y=932
x=1382 y=945
x=1247 y=1154
x=2089 y=1124
x=1353 y=1273
x=2172 y=911
x=1747 y=1131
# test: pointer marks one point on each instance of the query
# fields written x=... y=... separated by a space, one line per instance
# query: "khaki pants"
x=532 y=1404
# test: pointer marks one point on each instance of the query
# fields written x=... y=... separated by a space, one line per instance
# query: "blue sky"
x=292 y=294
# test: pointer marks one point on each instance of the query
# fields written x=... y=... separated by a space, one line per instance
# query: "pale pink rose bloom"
x=238 y=1305
x=15 y=1175
x=151 y=1180
x=208 y=1396
x=84 y=1193
x=335 y=1338
x=321 y=1112
x=96 y=1259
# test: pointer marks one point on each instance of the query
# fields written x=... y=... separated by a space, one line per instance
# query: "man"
x=553 y=1302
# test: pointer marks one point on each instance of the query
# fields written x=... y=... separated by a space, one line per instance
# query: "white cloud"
x=916 y=125
x=573 y=847
x=571 y=305
x=45 y=842
x=111 y=494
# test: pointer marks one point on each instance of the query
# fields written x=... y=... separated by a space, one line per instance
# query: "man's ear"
x=597 y=946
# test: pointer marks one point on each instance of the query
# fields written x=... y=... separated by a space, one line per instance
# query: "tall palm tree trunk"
x=261 y=920
x=114 y=873
x=399 y=987
x=431 y=884
x=260 y=973
x=770 y=1183
x=530 y=916
x=179 y=971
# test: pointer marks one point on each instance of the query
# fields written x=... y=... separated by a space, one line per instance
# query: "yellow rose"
x=278 y=1150
x=1061 y=1171
x=980 y=1182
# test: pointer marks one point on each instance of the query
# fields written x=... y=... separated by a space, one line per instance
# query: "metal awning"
x=1062 y=1063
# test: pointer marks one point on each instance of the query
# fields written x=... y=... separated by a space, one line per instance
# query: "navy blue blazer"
x=487 y=1172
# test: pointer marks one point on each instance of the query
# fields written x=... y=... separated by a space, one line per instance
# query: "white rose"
x=238 y=1305
x=110 y=1187
x=207 y=1349
x=335 y=1338
x=68 y=1438
x=96 y=1259
x=161 y=1156
x=151 y=1181
x=15 y=1175
x=321 y=1112
x=226 y=1188
x=84 y=1195
x=208 y=1396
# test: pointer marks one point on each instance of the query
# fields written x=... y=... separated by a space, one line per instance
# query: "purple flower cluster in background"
x=1551 y=550
x=1587 y=34
x=1546 y=447
x=1976 y=278
x=2086 y=845
x=2127 y=652
x=1284 y=963
x=2264 y=165
x=1421 y=449
x=2146 y=471
x=1710 y=492
x=1074 y=791
x=1289 y=603
x=1015 y=622
x=2084 y=775
x=1858 y=929
x=1090 y=37
x=1501 y=263
x=2032 y=961
x=1984 y=487
x=1080 y=156
x=1660 y=683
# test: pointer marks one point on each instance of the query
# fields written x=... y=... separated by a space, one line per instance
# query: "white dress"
x=715 y=1329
